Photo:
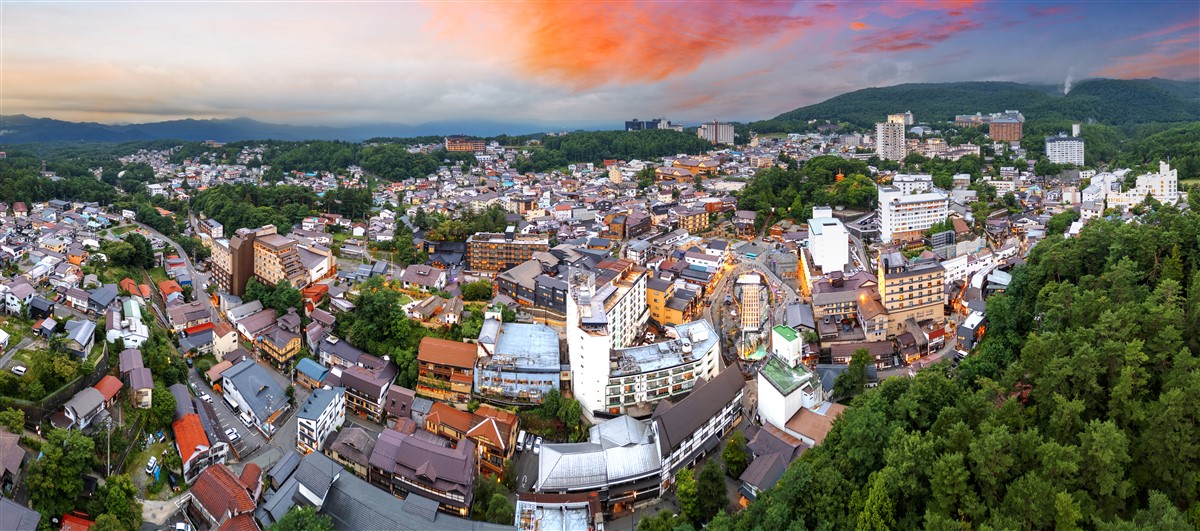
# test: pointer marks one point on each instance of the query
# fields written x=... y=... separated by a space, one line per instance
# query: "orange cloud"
x=913 y=39
x=858 y=26
x=1182 y=64
x=587 y=44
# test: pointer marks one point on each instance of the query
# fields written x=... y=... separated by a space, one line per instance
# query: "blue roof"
x=312 y=369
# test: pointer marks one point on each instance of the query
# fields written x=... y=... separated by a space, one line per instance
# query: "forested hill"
x=1082 y=410
x=1107 y=101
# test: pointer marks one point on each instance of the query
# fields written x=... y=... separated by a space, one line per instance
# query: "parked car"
x=537 y=446
x=245 y=419
x=233 y=434
x=521 y=441
x=150 y=466
x=19 y=370
x=205 y=397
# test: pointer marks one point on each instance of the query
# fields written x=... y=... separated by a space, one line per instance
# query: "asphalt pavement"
x=198 y=279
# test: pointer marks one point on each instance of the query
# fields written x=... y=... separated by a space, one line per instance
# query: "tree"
x=710 y=491
x=118 y=497
x=663 y=521
x=162 y=407
x=734 y=455
x=480 y=290
x=56 y=480
x=1059 y=223
x=688 y=495
x=303 y=518
x=852 y=382
x=570 y=412
x=500 y=510
x=108 y=522
x=13 y=419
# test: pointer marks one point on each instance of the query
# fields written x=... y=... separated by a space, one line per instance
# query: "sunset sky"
x=580 y=63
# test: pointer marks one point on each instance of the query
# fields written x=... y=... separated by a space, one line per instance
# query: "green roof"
x=787 y=332
x=784 y=378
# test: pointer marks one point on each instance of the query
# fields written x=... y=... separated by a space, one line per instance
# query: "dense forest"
x=1106 y=101
x=794 y=191
x=245 y=205
x=595 y=146
x=1081 y=409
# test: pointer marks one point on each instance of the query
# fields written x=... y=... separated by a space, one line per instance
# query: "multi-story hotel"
x=913 y=290
x=1063 y=149
x=233 y=260
x=1006 y=129
x=276 y=259
x=493 y=253
x=463 y=143
x=907 y=216
x=446 y=370
x=716 y=132
x=889 y=140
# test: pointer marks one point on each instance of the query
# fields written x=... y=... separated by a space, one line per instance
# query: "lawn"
x=122 y=229
x=158 y=274
x=17 y=329
x=135 y=466
x=1183 y=183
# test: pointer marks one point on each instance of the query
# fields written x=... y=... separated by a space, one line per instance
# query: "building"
x=221 y=499
x=258 y=397
x=213 y=228
x=1162 y=186
x=670 y=304
x=693 y=427
x=716 y=132
x=1063 y=149
x=536 y=512
x=402 y=464
x=639 y=377
x=907 y=216
x=446 y=370
x=192 y=444
x=889 y=141
x=911 y=291
x=753 y=299
x=351 y=448
x=911 y=183
x=463 y=143
x=184 y=316
x=367 y=385
x=828 y=241
x=621 y=463
x=233 y=267
x=323 y=413
x=1007 y=128
x=693 y=220
x=903 y=118
x=17 y=517
x=492 y=252
x=277 y=259
x=791 y=399
x=517 y=362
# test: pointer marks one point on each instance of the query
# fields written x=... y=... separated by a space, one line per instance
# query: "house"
x=423 y=277
x=517 y=362
x=130 y=329
x=184 y=316
x=101 y=298
x=310 y=374
x=19 y=297
x=80 y=410
x=109 y=386
x=221 y=500
x=224 y=340
x=403 y=464
x=280 y=343
x=323 y=413
x=367 y=384
x=17 y=517
x=259 y=397
x=192 y=444
x=446 y=370
x=40 y=308
x=11 y=457
x=129 y=359
x=141 y=386
x=81 y=336
x=694 y=426
x=77 y=299
x=399 y=403
x=351 y=447
x=332 y=351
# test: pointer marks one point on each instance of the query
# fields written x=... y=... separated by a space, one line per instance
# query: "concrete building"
x=753 y=299
x=276 y=258
x=323 y=413
x=600 y=319
x=716 y=132
x=1063 y=149
x=367 y=383
x=911 y=291
x=517 y=362
x=259 y=398
x=889 y=141
x=639 y=377
x=791 y=398
x=828 y=241
x=906 y=216
x=912 y=183
x=493 y=253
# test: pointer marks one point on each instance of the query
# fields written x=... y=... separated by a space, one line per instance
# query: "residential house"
x=141 y=387
x=323 y=413
x=17 y=517
x=351 y=447
x=19 y=297
x=80 y=410
x=101 y=298
x=423 y=277
x=224 y=340
x=403 y=464
x=446 y=370
x=310 y=374
x=192 y=444
x=81 y=336
x=366 y=386
x=184 y=316
x=220 y=499
x=259 y=397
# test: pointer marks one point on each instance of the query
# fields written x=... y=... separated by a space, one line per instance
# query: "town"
x=488 y=344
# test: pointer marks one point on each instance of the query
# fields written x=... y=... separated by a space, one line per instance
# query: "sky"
x=551 y=62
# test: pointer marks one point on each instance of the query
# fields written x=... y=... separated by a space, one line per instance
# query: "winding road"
x=198 y=279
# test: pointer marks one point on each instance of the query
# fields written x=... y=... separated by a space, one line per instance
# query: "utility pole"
x=108 y=447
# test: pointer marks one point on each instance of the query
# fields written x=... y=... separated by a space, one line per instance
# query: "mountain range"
x=1107 y=101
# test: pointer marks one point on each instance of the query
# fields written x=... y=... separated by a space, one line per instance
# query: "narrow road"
x=198 y=279
x=12 y=351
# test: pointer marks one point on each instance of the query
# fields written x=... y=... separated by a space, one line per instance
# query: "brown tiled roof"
x=250 y=476
x=242 y=522
x=446 y=352
x=189 y=435
x=441 y=413
x=814 y=425
x=221 y=492
x=109 y=386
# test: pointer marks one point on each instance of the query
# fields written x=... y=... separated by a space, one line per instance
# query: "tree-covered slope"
x=1106 y=101
x=1082 y=409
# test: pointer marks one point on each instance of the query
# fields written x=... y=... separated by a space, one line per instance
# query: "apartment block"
x=323 y=413
x=716 y=132
x=906 y=216
x=493 y=253
x=889 y=141
x=276 y=258
x=1063 y=149
x=911 y=291
x=463 y=143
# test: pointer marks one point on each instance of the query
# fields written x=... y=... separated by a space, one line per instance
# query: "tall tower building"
x=889 y=140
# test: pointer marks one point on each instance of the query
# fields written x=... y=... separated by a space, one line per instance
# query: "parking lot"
x=250 y=439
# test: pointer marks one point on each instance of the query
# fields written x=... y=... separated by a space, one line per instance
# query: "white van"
x=521 y=441
x=19 y=370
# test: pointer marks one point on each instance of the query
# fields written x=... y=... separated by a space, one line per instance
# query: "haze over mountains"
x=1102 y=100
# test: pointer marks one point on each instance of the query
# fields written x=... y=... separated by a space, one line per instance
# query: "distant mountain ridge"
x=1108 y=101
x=21 y=129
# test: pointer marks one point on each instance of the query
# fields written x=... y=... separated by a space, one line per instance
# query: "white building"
x=323 y=413
x=889 y=141
x=907 y=216
x=791 y=398
x=828 y=241
x=1162 y=186
x=786 y=344
x=716 y=132
x=599 y=320
x=1064 y=149
x=913 y=183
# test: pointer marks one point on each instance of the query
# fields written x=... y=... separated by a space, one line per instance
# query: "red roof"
x=251 y=475
x=222 y=329
x=446 y=352
x=71 y=522
x=168 y=287
x=129 y=286
x=109 y=386
x=189 y=436
x=241 y=522
x=145 y=290
x=198 y=328
x=220 y=492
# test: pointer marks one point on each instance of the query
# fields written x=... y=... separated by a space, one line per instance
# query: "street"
x=198 y=279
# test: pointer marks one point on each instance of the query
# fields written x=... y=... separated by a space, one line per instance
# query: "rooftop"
x=692 y=342
x=785 y=379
